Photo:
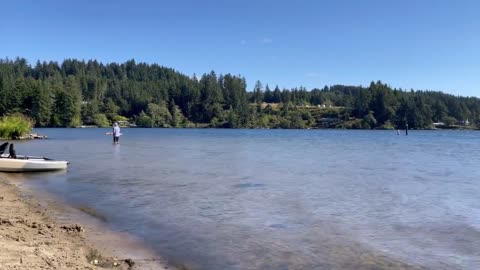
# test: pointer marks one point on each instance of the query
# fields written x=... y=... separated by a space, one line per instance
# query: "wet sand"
x=45 y=236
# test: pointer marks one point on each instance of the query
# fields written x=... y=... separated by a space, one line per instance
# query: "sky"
x=419 y=44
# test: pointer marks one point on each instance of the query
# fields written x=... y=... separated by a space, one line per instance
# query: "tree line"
x=77 y=92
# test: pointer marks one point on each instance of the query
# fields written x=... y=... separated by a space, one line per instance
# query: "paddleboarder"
x=116 y=133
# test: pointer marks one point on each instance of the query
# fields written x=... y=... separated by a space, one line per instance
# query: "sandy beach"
x=31 y=238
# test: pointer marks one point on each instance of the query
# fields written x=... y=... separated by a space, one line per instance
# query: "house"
x=463 y=123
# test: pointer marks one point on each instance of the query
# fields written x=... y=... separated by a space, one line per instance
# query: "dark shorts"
x=115 y=139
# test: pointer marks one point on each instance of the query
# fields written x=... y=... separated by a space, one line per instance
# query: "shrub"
x=388 y=126
x=117 y=118
x=449 y=121
x=101 y=120
x=15 y=126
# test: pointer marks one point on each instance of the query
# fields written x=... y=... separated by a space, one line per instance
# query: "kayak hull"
x=31 y=165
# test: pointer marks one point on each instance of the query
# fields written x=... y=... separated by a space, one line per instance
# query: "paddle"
x=111 y=133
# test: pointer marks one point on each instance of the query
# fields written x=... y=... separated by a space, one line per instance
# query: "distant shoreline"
x=205 y=126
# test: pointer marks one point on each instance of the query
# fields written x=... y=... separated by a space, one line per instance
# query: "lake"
x=279 y=199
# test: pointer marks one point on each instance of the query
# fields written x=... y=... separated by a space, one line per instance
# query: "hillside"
x=77 y=92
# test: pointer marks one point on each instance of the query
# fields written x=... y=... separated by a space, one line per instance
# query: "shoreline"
x=268 y=128
x=40 y=232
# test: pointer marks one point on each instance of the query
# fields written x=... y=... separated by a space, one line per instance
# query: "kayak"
x=31 y=164
x=18 y=163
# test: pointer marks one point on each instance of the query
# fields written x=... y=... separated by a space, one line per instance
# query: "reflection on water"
x=277 y=199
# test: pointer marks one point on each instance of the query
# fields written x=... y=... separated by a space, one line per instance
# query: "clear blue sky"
x=420 y=44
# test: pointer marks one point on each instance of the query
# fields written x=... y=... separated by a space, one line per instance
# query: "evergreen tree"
x=277 y=95
x=76 y=91
x=268 y=96
x=211 y=97
x=257 y=93
x=42 y=105
x=72 y=90
x=3 y=99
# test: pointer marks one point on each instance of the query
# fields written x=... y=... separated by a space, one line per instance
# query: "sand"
x=31 y=238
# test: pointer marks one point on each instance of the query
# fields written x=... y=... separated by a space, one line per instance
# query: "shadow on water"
x=92 y=212
x=248 y=185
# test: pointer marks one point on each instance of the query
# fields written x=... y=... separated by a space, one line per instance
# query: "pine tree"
x=42 y=105
x=258 y=93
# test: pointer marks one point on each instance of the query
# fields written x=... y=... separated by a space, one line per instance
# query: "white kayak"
x=18 y=163
x=34 y=164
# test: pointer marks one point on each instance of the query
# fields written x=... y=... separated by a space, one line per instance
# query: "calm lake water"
x=279 y=199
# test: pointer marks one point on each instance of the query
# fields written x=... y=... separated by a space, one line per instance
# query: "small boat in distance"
x=20 y=163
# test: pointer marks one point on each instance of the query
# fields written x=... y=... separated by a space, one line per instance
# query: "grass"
x=15 y=126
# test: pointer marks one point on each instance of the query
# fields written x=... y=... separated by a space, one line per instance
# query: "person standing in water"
x=116 y=133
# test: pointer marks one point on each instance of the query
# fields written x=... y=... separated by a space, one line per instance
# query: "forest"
x=78 y=92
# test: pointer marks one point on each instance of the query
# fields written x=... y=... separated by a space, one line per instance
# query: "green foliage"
x=117 y=118
x=351 y=124
x=75 y=92
x=111 y=109
x=388 y=125
x=232 y=120
x=369 y=120
x=89 y=111
x=178 y=119
x=101 y=120
x=144 y=120
x=159 y=115
x=15 y=126
x=64 y=110
x=215 y=122
x=296 y=121
x=449 y=121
